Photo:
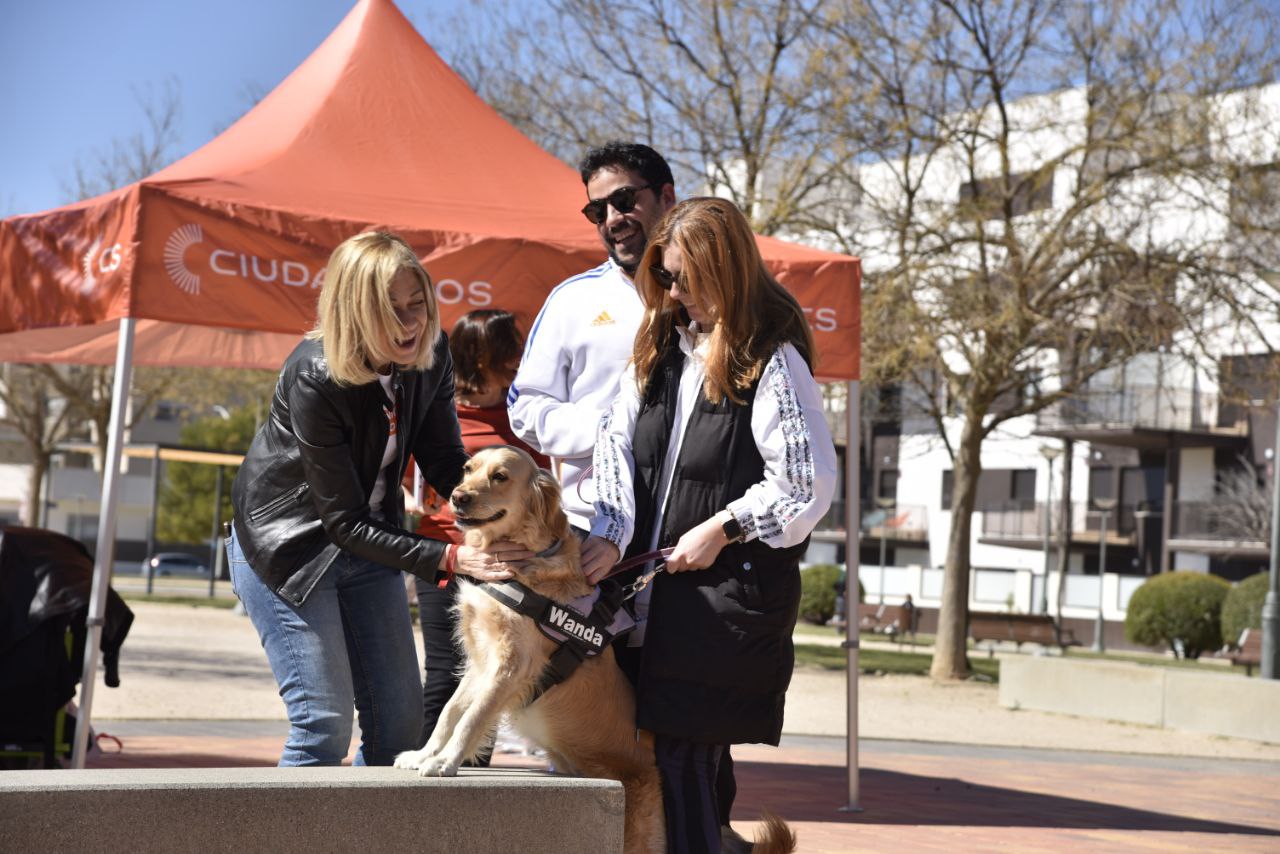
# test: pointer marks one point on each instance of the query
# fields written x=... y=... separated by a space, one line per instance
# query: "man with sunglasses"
x=582 y=341
x=582 y=338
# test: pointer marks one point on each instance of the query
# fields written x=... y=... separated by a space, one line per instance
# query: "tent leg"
x=852 y=531
x=105 y=554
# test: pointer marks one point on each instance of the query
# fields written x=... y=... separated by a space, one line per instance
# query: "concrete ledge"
x=1213 y=703
x=307 y=810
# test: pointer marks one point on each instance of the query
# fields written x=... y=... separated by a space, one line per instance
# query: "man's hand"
x=598 y=557
x=699 y=547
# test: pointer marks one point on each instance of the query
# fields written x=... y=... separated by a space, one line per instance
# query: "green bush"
x=818 y=592
x=1178 y=608
x=1242 y=609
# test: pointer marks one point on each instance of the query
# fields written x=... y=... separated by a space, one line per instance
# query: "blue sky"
x=69 y=70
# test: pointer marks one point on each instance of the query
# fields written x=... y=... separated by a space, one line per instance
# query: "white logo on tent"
x=107 y=261
x=174 y=249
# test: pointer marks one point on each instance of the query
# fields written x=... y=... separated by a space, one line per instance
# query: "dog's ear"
x=546 y=500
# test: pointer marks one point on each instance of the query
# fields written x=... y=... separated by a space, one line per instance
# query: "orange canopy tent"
x=217 y=259
x=372 y=130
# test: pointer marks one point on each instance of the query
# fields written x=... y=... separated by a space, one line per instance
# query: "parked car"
x=174 y=563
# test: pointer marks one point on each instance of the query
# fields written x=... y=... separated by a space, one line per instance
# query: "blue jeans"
x=350 y=644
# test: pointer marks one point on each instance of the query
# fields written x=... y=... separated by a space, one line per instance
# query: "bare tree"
x=1241 y=510
x=725 y=90
x=132 y=158
x=1019 y=167
x=42 y=420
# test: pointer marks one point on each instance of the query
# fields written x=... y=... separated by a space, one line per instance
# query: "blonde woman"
x=716 y=446
x=318 y=542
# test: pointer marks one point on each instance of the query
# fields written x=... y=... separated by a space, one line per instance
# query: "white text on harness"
x=565 y=623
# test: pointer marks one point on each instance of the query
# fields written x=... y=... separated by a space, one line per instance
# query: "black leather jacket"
x=302 y=494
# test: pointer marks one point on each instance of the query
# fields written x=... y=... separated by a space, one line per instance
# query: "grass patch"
x=226 y=603
x=883 y=661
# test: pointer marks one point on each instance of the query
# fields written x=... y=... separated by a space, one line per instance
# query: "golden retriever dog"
x=586 y=723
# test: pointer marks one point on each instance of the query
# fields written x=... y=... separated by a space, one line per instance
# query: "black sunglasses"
x=622 y=200
x=666 y=278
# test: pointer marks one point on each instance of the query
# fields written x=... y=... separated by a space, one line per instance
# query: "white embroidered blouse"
x=790 y=432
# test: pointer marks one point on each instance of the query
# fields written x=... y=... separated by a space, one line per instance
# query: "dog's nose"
x=460 y=498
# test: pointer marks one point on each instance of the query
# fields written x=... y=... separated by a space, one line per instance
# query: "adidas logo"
x=602 y=319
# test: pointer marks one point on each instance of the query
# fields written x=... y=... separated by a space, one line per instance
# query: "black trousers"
x=726 y=786
x=444 y=657
x=689 y=772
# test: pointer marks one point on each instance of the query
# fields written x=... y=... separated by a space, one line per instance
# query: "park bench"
x=1248 y=650
x=892 y=620
x=1018 y=628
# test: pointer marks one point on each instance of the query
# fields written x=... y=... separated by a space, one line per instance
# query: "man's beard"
x=629 y=269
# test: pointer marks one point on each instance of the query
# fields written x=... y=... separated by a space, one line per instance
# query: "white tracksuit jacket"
x=573 y=363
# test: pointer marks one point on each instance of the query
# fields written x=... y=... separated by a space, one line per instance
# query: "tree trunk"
x=950 y=658
x=35 y=485
x=1064 y=531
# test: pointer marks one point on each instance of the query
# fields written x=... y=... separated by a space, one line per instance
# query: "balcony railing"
x=1015 y=520
x=905 y=522
x=1241 y=521
x=1154 y=407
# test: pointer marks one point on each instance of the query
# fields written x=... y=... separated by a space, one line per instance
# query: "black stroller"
x=45 y=580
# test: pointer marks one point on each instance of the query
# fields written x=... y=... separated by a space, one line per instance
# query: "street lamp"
x=887 y=505
x=1271 y=605
x=1105 y=505
x=1050 y=453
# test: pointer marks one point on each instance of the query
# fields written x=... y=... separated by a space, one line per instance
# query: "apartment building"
x=1172 y=451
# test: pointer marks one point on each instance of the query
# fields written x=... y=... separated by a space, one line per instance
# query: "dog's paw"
x=438 y=766
x=410 y=759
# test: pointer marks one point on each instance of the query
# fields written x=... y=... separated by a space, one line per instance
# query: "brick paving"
x=915 y=796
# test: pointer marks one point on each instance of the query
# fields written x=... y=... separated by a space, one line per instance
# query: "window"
x=1023 y=488
x=1025 y=191
x=1101 y=484
x=888 y=484
x=997 y=488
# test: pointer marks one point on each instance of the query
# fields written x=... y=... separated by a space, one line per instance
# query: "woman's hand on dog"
x=699 y=547
x=598 y=557
x=492 y=565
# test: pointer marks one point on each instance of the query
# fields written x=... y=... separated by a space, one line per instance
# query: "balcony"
x=1221 y=527
x=1020 y=524
x=1144 y=403
x=906 y=523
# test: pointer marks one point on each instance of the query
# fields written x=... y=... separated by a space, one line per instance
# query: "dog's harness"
x=582 y=628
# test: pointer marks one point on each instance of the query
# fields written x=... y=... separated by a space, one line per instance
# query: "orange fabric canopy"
x=373 y=130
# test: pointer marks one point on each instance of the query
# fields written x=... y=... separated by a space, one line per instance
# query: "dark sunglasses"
x=622 y=200
x=666 y=278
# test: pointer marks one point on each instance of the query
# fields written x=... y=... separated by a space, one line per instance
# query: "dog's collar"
x=551 y=550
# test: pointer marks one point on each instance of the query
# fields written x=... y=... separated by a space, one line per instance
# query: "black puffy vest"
x=717 y=655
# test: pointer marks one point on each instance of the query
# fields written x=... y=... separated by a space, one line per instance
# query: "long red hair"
x=724 y=272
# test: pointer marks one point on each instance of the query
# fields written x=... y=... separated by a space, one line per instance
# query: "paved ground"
x=943 y=767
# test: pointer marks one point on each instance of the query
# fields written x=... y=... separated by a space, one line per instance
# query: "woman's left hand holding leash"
x=699 y=547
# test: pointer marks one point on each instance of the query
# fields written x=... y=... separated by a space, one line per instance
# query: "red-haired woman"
x=717 y=446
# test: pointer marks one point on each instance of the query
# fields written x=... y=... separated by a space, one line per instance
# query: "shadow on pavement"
x=814 y=793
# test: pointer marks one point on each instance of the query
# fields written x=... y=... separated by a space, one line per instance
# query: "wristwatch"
x=732 y=527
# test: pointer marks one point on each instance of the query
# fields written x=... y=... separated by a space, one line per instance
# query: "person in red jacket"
x=485 y=346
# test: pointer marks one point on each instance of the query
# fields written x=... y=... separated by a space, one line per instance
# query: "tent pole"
x=105 y=554
x=852 y=561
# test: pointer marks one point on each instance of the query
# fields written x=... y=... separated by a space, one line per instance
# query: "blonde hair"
x=357 y=323
x=724 y=272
